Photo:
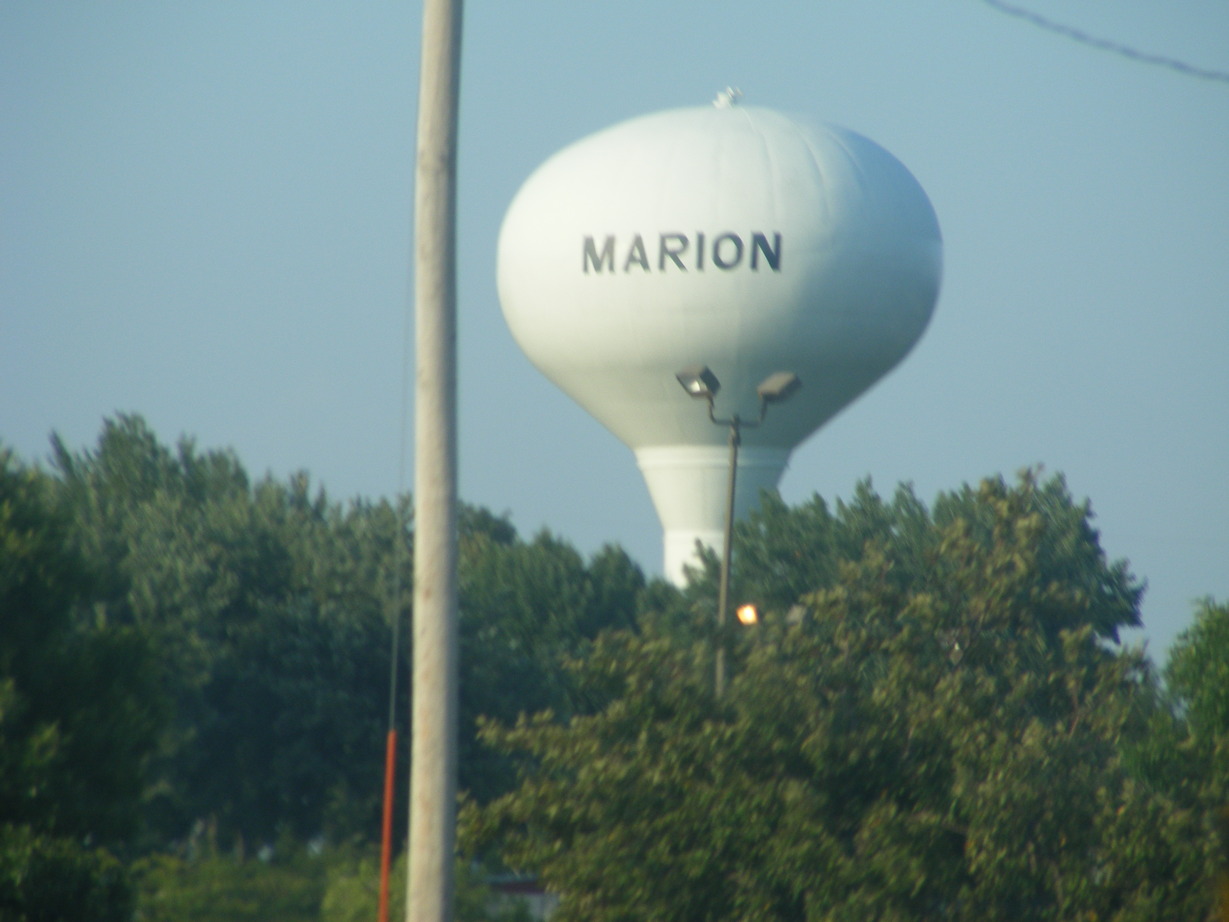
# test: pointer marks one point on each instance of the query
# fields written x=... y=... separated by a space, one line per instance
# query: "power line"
x=1102 y=44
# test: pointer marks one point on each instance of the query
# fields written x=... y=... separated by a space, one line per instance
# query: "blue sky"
x=205 y=218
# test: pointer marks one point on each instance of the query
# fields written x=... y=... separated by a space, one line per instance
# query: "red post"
x=386 y=842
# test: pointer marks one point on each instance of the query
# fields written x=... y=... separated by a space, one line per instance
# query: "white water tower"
x=726 y=236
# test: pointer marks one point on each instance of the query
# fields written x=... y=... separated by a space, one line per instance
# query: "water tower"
x=726 y=237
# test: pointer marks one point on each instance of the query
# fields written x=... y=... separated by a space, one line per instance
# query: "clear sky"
x=206 y=213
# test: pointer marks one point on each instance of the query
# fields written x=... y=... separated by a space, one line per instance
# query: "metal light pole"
x=727 y=544
x=701 y=383
x=433 y=759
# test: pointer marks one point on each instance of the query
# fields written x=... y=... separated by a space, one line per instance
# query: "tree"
x=269 y=608
x=55 y=878
x=932 y=730
x=78 y=714
x=287 y=887
x=1197 y=674
x=351 y=894
x=271 y=611
x=785 y=553
x=1197 y=755
x=78 y=720
x=292 y=741
x=525 y=608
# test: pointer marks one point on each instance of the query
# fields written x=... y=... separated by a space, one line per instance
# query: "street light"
x=700 y=382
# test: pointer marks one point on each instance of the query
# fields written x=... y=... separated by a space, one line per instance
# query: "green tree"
x=58 y=880
x=293 y=740
x=79 y=710
x=78 y=719
x=785 y=553
x=1195 y=759
x=1197 y=674
x=525 y=607
x=934 y=730
x=211 y=888
x=269 y=608
x=352 y=892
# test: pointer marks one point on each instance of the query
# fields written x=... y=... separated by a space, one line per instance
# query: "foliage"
x=1197 y=674
x=934 y=732
x=352 y=894
x=271 y=611
x=76 y=721
x=352 y=890
x=295 y=725
x=933 y=720
x=291 y=884
x=54 y=879
x=785 y=553
x=524 y=608
x=225 y=889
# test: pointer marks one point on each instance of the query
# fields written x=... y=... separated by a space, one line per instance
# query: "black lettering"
x=597 y=260
x=727 y=252
x=673 y=252
x=772 y=255
x=720 y=261
x=636 y=254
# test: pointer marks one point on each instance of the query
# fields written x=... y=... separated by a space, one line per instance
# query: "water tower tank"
x=726 y=236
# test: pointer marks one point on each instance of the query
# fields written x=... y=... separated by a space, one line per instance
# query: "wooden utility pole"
x=433 y=763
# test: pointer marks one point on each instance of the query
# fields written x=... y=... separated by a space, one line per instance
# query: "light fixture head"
x=778 y=387
x=699 y=381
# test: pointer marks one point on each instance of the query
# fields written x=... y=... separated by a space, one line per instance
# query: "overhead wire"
x=1102 y=44
x=398 y=553
x=394 y=586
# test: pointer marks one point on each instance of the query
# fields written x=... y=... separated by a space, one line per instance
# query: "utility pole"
x=433 y=763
